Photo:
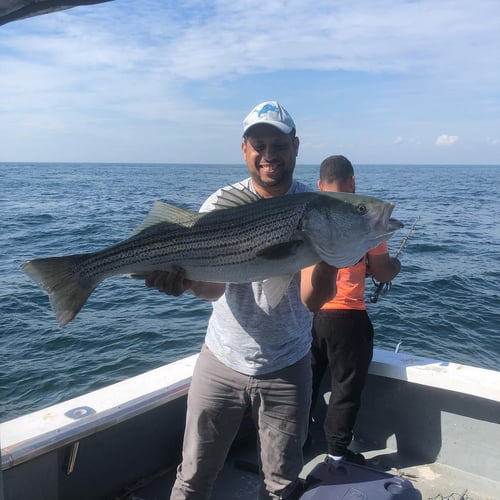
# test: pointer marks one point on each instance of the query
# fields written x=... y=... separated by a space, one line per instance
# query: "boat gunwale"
x=40 y=432
x=48 y=429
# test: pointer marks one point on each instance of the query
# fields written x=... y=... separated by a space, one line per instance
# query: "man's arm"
x=318 y=285
x=383 y=267
x=173 y=282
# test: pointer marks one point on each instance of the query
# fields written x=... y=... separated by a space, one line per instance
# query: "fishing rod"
x=386 y=286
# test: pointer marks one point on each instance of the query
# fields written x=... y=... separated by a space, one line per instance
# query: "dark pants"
x=342 y=341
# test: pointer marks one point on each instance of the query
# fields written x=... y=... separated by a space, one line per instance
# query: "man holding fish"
x=254 y=355
x=267 y=261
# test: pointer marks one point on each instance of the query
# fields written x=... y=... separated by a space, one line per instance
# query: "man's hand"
x=171 y=282
x=174 y=282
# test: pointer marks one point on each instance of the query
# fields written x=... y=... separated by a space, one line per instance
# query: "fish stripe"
x=205 y=244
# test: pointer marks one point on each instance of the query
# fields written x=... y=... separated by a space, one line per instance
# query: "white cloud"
x=225 y=39
x=446 y=140
x=235 y=38
x=405 y=140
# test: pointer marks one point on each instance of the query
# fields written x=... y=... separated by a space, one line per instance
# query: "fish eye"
x=361 y=209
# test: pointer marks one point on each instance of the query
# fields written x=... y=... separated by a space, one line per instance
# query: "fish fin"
x=235 y=196
x=275 y=288
x=164 y=212
x=280 y=251
x=67 y=293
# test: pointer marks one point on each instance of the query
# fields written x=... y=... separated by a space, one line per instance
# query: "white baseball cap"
x=272 y=113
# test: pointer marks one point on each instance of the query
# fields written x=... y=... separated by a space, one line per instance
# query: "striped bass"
x=247 y=239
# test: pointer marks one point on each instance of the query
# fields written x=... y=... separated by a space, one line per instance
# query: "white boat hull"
x=429 y=420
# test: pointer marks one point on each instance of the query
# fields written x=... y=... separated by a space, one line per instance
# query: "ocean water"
x=444 y=304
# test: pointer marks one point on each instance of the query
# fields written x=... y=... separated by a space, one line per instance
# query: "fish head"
x=342 y=227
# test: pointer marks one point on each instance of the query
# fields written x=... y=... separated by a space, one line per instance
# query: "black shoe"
x=354 y=458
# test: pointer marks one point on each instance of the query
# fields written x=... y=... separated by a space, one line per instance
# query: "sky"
x=170 y=81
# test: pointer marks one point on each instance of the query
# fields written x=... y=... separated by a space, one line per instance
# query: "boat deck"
x=432 y=480
x=412 y=423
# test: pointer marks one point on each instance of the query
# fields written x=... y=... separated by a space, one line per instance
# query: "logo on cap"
x=266 y=108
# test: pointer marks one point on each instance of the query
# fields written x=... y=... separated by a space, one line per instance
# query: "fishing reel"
x=379 y=289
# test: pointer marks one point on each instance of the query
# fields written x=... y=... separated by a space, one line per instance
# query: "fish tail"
x=58 y=276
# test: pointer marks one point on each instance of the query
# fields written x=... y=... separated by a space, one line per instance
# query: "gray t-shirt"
x=245 y=333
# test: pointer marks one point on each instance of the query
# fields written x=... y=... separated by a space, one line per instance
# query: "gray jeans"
x=217 y=400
